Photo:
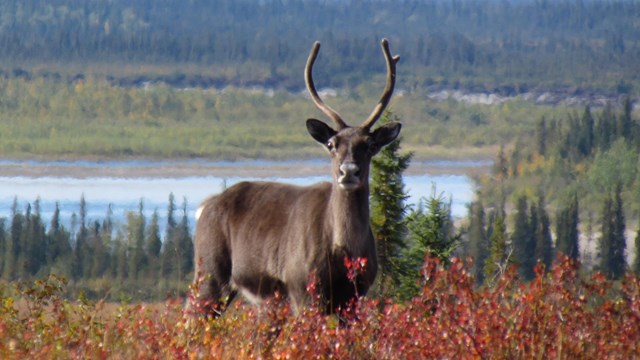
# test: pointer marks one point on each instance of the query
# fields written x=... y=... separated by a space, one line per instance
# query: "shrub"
x=559 y=314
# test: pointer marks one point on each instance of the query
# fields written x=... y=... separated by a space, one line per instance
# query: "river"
x=124 y=184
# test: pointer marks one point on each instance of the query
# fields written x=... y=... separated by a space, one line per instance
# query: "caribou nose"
x=349 y=176
x=348 y=170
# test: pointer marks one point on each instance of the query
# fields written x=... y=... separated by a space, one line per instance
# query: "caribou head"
x=259 y=238
x=351 y=148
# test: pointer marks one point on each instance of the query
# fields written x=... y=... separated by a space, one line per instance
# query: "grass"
x=53 y=119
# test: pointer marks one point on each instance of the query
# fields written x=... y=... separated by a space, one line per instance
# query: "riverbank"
x=142 y=168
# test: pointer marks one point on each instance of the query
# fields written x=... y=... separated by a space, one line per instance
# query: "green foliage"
x=177 y=256
x=430 y=234
x=586 y=158
x=523 y=239
x=619 y=163
x=531 y=240
x=477 y=44
x=567 y=235
x=109 y=80
x=104 y=259
x=153 y=244
x=54 y=118
x=388 y=210
x=136 y=228
x=581 y=154
x=478 y=240
x=544 y=253
x=499 y=250
x=612 y=242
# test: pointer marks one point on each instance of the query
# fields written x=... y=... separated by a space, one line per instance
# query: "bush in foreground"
x=557 y=315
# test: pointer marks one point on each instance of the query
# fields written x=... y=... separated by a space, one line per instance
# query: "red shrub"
x=557 y=315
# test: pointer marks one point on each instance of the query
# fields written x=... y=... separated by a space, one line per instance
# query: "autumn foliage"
x=559 y=314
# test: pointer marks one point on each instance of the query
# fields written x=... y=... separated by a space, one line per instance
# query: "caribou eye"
x=330 y=145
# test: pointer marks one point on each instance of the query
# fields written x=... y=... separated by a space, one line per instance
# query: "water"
x=125 y=194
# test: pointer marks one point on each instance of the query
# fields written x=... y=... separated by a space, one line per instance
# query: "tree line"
x=585 y=154
x=584 y=166
x=526 y=236
x=508 y=45
x=534 y=244
x=101 y=258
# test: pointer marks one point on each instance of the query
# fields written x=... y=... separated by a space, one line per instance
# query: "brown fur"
x=263 y=237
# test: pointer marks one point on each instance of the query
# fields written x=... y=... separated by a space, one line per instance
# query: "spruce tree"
x=169 y=247
x=80 y=261
x=52 y=235
x=36 y=241
x=477 y=239
x=177 y=254
x=543 y=239
x=106 y=265
x=97 y=256
x=430 y=233
x=108 y=225
x=567 y=221
x=571 y=141
x=586 y=139
x=59 y=250
x=500 y=166
x=171 y=220
x=634 y=133
x=185 y=243
x=541 y=137
x=136 y=242
x=605 y=241
x=523 y=240
x=625 y=122
x=516 y=158
x=612 y=244
x=26 y=246
x=119 y=270
x=14 y=249
x=388 y=210
x=619 y=264
x=498 y=258
x=605 y=133
x=153 y=245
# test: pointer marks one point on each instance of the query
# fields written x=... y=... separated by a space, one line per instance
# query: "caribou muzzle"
x=349 y=178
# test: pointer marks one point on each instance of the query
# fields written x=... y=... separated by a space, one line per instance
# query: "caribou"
x=262 y=238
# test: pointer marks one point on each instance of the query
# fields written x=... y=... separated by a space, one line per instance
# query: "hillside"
x=503 y=46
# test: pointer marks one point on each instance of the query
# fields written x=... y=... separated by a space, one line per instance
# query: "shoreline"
x=141 y=168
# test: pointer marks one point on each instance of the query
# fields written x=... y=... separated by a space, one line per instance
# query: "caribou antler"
x=308 y=79
x=388 y=89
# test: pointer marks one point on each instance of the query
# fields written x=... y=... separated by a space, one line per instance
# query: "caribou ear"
x=320 y=131
x=385 y=134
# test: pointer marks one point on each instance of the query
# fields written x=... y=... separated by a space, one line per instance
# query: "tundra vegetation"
x=552 y=239
x=560 y=313
x=92 y=118
x=525 y=296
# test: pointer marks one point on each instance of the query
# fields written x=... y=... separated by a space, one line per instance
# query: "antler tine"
x=388 y=89
x=308 y=79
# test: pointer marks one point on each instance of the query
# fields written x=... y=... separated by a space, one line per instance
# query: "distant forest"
x=506 y=46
